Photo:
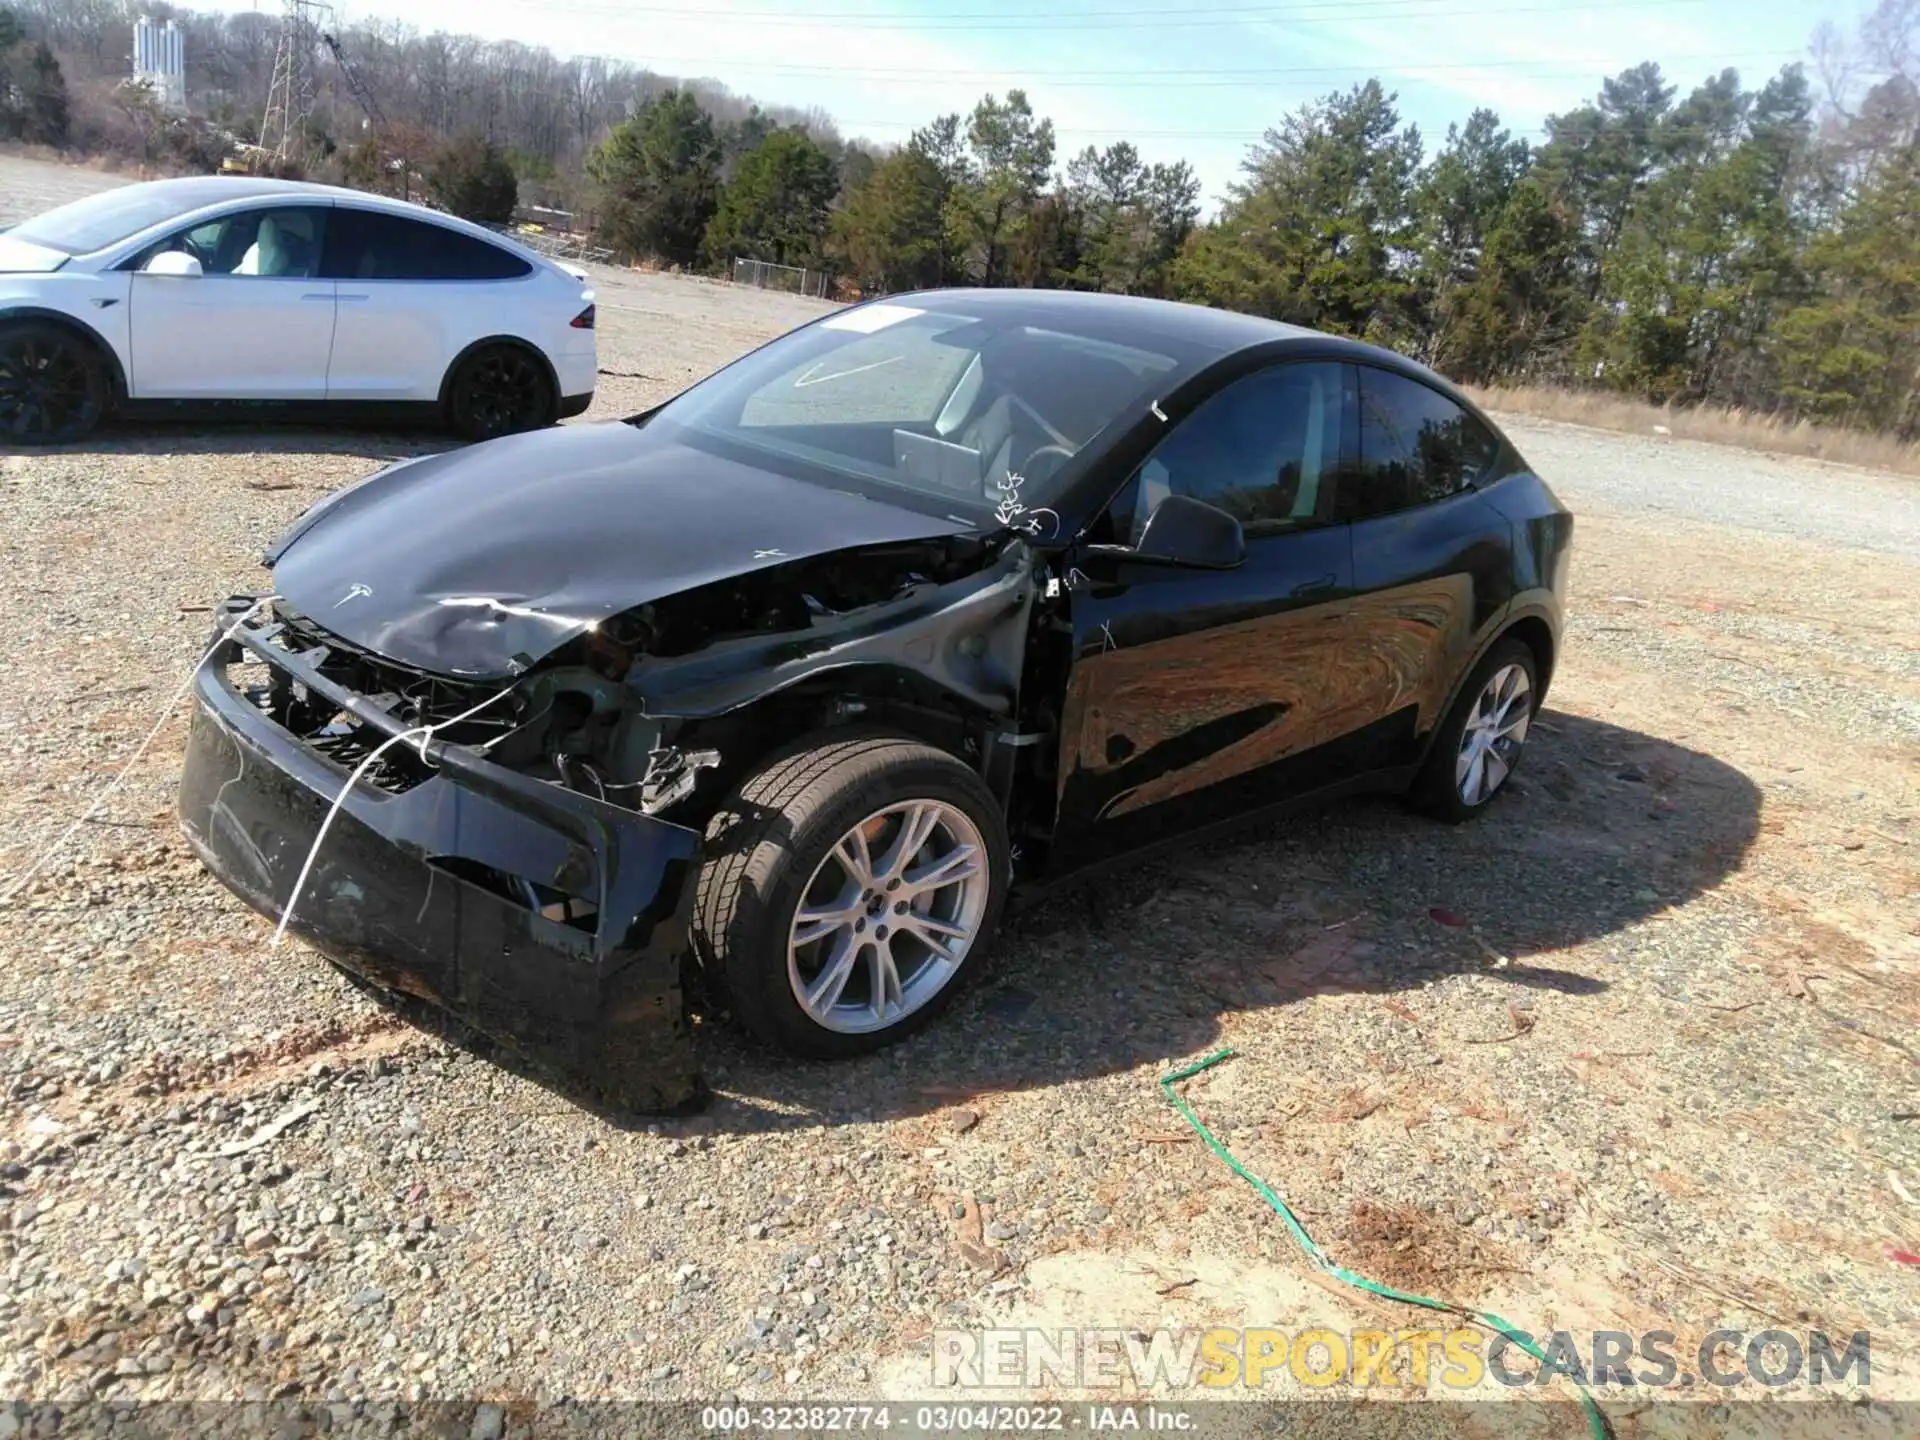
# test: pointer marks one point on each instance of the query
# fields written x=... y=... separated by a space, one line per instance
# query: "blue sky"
x=1199 y=81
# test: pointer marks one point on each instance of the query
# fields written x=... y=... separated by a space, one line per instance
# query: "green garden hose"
x=1596 y=1422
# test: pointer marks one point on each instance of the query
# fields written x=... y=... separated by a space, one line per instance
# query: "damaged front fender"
x=549 y=920
x=967 y=637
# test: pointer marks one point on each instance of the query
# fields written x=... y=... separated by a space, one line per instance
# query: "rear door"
x=1432 y=569
x=412 y=294
x=1196 y=694
x=255 y=324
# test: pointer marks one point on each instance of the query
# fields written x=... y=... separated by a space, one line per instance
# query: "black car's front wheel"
x=53 y=385
x=499 y=390
x=847 y=888
x=1481 y=740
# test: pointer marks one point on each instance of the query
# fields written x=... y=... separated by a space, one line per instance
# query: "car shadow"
x=1601 y=828
x=249 y=437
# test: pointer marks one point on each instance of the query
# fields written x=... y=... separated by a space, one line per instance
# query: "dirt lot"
x=1637 y=1052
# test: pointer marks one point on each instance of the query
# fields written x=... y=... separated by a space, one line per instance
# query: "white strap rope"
x=48 y=855
x=425 y=732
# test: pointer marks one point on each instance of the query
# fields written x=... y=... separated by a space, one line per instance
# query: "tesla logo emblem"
x=354 y=592
x=769 y=554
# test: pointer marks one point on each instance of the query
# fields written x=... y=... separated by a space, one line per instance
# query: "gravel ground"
x=1636 y=1052
x=1686 y=480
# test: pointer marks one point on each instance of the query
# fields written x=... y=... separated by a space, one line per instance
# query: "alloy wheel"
x=1494 y=733
x=888 y=916
x=504 y=393
x=46 y=388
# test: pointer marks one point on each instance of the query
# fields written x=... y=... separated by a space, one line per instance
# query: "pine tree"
x=659 y=173
x=1314 y=233
x=775 y=206
x=1011 y=157
x=472 y=179
x=891 y=232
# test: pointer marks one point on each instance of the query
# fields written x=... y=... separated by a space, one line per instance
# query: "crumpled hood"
x=480 y=561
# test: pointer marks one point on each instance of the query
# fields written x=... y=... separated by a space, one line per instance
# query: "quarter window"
x=1416 y=446
x=370 y=245
x=1261 y=450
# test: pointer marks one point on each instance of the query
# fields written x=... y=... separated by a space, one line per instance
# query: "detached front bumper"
x=413 y=887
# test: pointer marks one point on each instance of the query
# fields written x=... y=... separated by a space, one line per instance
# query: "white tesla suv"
x=223 y=292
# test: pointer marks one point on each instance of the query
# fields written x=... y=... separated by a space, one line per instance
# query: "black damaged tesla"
x=785 y=683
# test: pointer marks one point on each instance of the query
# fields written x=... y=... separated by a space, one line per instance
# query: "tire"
x=499 y=390
x=53 y=385
x=1448 y=787
x=779 y=842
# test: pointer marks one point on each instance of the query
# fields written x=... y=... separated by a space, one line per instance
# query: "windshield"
x=99 y=220
x=975 y=415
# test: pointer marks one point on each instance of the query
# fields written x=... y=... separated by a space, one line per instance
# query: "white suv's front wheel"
x=53 y=384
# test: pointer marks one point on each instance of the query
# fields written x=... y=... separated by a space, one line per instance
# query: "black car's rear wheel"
x=499 y=390
x=847 y=888
x=53 y=385
x=1481 y=740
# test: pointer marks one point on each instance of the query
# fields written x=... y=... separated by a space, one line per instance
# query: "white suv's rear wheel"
x=499 y=390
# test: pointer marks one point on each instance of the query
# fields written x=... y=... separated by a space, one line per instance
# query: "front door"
x=255 y=324
x=1198 y=694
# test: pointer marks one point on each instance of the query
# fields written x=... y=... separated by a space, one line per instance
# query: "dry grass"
x=1743 y=428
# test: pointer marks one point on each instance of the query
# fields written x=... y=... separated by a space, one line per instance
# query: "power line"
x=1202 y=78
x=1334 y=14
x=997 y=17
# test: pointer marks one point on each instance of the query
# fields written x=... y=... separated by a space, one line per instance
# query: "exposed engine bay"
x=634 y=710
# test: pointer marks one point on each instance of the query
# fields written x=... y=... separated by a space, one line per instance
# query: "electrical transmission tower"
x=283 y=128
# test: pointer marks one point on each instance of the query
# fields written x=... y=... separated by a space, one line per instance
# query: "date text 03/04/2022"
x=943 y=1419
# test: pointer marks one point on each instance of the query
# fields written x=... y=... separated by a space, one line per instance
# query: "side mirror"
x=1185 y=531
x=172 y=262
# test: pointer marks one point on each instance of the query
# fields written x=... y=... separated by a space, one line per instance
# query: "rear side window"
x=1416 y=446
x=369 y=245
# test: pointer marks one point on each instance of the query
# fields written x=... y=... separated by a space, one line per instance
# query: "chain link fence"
x=794 y=279
x=555 y=244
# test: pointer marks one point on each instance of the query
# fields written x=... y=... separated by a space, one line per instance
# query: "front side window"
x=372 y=245
x=1416 y=446
x=972 y=413
x=279 y=243
x=1262 y=449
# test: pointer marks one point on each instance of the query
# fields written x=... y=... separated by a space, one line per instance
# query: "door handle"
x=355 y=297
x=1319 y=585
x=318 y=295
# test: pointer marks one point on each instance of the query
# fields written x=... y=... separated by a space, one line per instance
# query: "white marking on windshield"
x=809 y=378
x=1010 y=508
x=1011 y=512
